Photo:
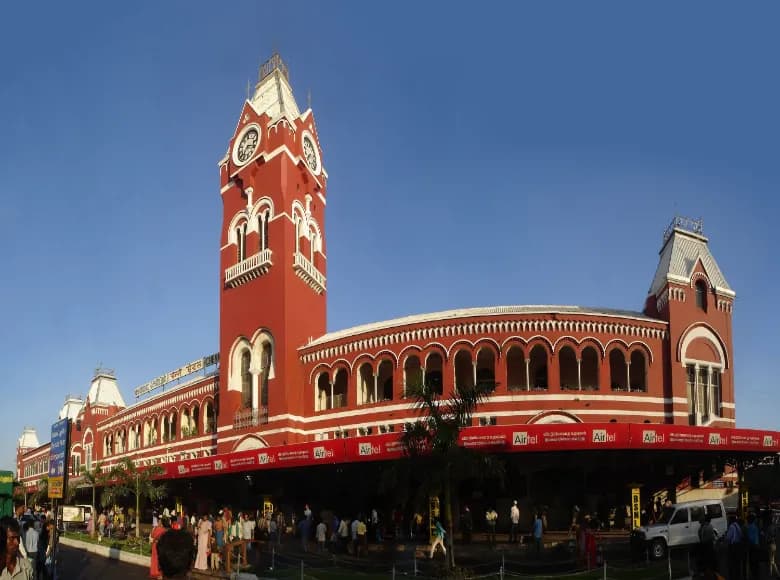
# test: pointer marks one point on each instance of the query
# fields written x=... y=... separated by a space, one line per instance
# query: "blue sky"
x=479 y=154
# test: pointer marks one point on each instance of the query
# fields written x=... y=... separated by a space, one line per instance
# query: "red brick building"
x=281 y=379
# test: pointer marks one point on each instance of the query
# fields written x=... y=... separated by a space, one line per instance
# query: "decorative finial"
x=248 y=85
x=308 y=99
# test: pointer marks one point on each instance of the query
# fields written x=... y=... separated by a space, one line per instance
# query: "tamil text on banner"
x=58 y=458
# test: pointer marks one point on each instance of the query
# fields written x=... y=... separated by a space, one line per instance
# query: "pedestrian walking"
x=438 y=539
x=514 y=519
x=538 y=531
x=491 y=517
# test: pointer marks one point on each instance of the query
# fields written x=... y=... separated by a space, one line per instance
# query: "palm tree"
x=41 y=492
x=434 y=438
x=93 y=477
x=125 y=479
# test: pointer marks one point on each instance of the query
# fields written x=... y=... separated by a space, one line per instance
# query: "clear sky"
x=478 y=153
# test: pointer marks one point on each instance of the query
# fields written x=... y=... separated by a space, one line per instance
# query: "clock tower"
x=272 y=264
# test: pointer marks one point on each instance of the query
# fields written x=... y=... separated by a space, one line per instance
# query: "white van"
x=679 y=525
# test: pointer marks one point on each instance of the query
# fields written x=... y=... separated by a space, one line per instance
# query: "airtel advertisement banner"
x=703 y=438
x=302 y=454
x=489 y=439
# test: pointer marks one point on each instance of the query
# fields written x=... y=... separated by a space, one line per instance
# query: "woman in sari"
x=157 y=532
x=204 y=539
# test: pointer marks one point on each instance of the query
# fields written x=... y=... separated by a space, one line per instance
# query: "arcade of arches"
x=519 y=368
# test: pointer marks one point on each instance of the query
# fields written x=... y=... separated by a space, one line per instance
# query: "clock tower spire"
x=273 y=262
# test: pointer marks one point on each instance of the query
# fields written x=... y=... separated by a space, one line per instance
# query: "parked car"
x=679 y=526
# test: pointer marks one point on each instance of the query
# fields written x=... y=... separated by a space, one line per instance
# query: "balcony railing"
x=250 y=418
x=254 y=266
x=308 y=273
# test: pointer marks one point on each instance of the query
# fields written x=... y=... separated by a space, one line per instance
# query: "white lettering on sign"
x=183 y=371
x=323 y=453
x=368 y=449
x=651 y=437
x=716 y=439
x=601 y=436
x=265 y=458
x=769 y=441
x=218 y=464
x=522 y=438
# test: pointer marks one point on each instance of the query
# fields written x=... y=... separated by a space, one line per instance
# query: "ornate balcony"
x=246 y=270
x=250 y=418
x=308 y=273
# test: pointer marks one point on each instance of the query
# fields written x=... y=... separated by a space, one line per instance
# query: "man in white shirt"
x=16 y=566
x=514 y=518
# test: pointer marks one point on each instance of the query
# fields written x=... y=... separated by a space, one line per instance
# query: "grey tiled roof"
x=473 y=312
x=678 y=260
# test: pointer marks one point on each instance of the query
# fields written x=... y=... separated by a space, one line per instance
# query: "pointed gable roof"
x=683 y=249
x=273 y=94
x=104 y=389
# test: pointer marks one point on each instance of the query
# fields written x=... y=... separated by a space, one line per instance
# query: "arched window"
x=434 y=373
x=366 y=384
x=340 y=385
x=567 y=364
x=209 y=418
x=618 y=371
x=589 y=369
x=384 y=380
x=538 y=368
x=246 y=380
x=486 y=368
x=241 y=241
x=637 y=371
x=322 y=395
x=265 y=373
x=194 y=419
x=464 y=371
x=262 y=223
x=412 y=374
x=701 y=294
x=516 y=371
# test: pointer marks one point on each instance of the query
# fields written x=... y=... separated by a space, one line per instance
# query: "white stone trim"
x=321 y=348
x=700 y=330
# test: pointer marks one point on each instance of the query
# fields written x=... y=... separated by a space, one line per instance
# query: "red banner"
x=297 y=455
x=490 y=439
x=703 y=438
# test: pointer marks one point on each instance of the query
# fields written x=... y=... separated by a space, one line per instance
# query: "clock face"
x=310 y=154
x=246 y=146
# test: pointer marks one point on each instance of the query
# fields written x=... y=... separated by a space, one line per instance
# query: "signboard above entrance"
x=179 y=373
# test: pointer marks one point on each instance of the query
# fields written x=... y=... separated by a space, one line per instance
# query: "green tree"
x=125 y=480
x=41 y=493
x=432 y=442
x=93 y=478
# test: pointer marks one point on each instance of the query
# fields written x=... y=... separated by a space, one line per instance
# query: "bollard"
x=415 y=562
x=669 y=561
x=301 y=569
x=501 y=570
x=605 y=570
x=273 y=557
x=393 y=571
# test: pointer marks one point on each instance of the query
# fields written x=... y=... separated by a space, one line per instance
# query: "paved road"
x=77 y=564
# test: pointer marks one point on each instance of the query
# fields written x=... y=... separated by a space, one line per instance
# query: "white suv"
x=679 y=525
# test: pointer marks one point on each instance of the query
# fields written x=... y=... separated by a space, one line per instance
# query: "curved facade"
x=281 y=379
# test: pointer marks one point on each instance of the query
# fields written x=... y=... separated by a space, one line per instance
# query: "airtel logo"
x=769 y=441
x=651 y=437
x=522 y=438
x=265 y=458
x=601 y=436
x=322 y=453
x=368 y=449
x=716 y=439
